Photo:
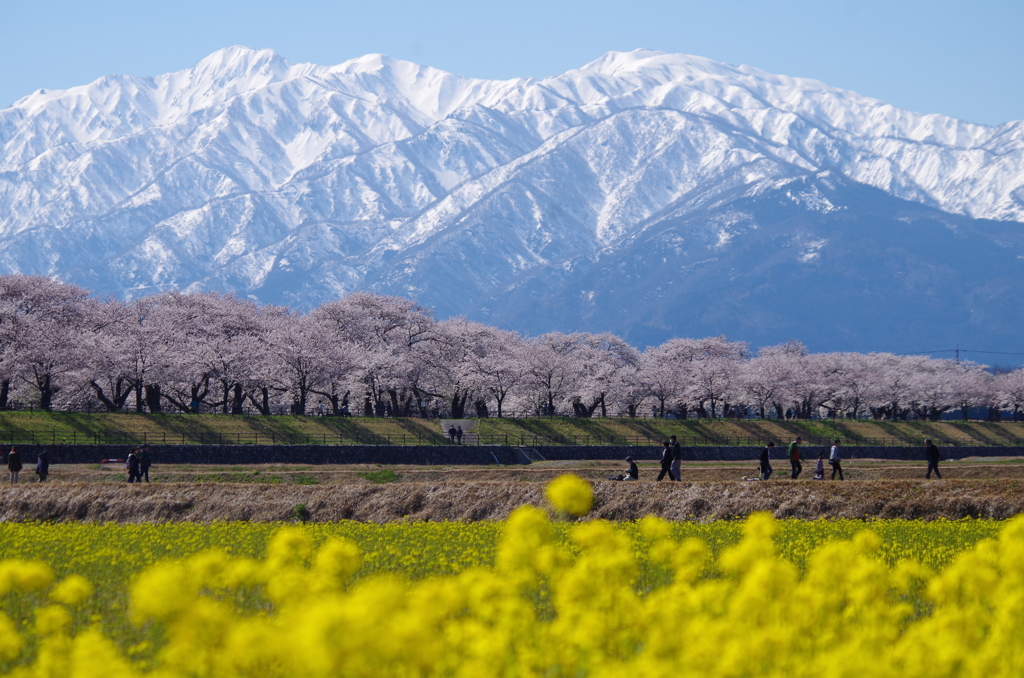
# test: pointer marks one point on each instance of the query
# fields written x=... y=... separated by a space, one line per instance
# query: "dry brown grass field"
x=990 y=488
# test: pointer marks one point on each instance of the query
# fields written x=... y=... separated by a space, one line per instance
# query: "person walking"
x=458 y=434
x=43 y=465
x=819 y=469
x=794 y=458
x=144 y=463
x=666 y=462
x=451 y=433
x=677 y=458
x=766 y=466
x=835 y=459
x=932 y=454
x=132 y=465
x=14 y=464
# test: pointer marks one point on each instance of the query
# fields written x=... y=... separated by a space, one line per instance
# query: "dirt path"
x=973 y=469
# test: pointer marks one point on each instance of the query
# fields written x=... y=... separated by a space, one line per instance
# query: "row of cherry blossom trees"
x=368 y=354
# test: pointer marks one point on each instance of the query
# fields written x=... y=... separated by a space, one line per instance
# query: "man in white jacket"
x=835 y=459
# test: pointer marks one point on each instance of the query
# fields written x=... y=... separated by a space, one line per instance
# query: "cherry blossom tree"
x=498 y=366
x=41 y=325
x=600 y=358
x=971 y=386
x=384 y=331
x=763 y=381
x=304 y=357
x=1009 y=388
x=663 y=371
x=552 y=370
x=931 y=387
x=110 y=365
x=714 y=368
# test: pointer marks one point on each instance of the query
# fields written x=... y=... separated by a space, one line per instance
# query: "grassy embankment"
x=66 y=427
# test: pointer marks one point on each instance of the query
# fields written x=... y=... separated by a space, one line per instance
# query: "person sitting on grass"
x=632 y=474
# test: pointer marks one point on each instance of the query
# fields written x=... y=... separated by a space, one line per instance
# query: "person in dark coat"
x=14 y=464
x=932 y=454
x=132 y=465
x=766 y=466
x=666 y=462
x=458 y=435
x=43 y=465
x=144 y=463
x=677 y=458
x=452 y=433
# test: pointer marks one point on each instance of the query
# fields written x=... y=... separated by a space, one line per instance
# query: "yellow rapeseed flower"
x=571 y=494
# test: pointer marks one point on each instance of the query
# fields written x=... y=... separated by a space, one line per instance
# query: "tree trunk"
x=237 y=399
x=458 y=405
x=153 y=403
x=46 y=393
x=117 y=399
x=5 y=392
x=263 y=403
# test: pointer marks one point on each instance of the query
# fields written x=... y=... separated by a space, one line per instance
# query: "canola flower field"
x=540 y=594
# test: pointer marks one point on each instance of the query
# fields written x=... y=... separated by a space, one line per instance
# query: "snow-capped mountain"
x=648 y=194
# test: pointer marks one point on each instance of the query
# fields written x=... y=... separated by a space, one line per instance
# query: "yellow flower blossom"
x=571 y=494
x=525 y=597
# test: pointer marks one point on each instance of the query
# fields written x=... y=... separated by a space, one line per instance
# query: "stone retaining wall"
x=450 y=455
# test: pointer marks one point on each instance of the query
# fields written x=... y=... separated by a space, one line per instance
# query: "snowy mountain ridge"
x=296 y=183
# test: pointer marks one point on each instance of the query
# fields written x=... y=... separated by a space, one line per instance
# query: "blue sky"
x=964 y=59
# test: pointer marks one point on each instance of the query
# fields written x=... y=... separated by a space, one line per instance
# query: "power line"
x=960 y=350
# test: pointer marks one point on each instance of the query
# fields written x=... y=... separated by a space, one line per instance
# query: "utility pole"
x=958 y=354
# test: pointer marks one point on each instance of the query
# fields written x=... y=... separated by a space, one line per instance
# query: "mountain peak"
x=288 y=181
x=367 y=63
x=239 y=59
